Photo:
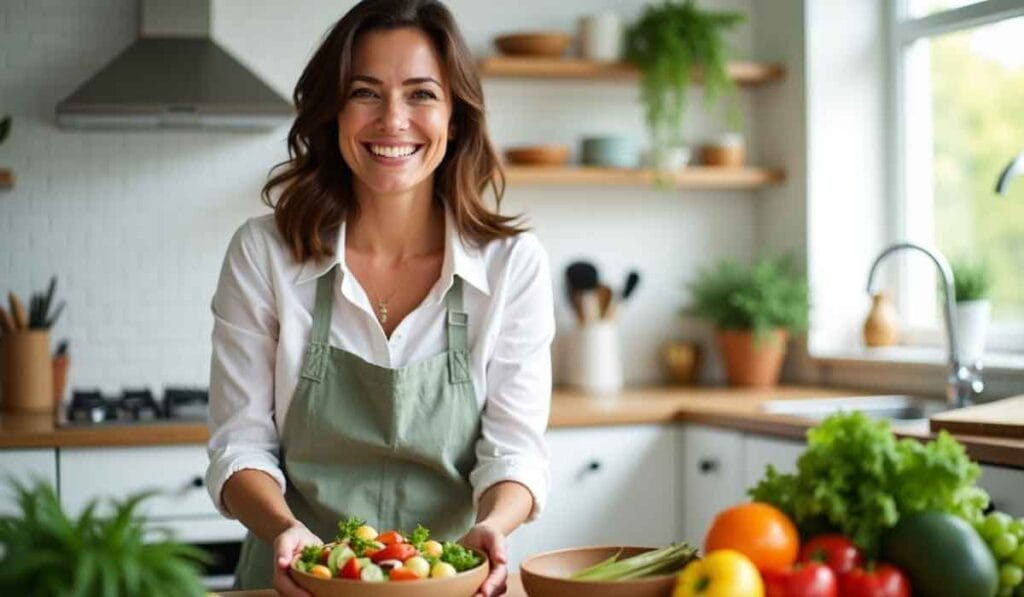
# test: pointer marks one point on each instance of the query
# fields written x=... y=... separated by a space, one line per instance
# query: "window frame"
x=904 y=30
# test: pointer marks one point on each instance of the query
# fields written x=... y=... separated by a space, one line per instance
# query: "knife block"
x=26 y=372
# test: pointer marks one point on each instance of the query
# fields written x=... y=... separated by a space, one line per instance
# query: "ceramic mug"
x=601 y=37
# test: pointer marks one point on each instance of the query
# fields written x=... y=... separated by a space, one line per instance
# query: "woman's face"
x=394 y=122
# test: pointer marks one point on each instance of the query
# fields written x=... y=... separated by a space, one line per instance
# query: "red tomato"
x=395 y=551
x=835 y=551
x=350 y=569
x=323 y=554
x=882 y=580
x=801 y=580
x=403 y=574
x=389 y=537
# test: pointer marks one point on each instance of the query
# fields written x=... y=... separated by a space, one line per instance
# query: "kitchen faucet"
x=964 y=383
x=1014 y=168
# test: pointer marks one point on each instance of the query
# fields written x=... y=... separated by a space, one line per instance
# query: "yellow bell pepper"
x=722 y=573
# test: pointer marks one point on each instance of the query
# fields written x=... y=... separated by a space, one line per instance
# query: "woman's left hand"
x=491 y=541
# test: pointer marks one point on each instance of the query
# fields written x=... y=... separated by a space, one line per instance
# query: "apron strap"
x=316 y=354
x=458 y=335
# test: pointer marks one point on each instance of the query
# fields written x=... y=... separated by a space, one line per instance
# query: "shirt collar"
x=459 y=259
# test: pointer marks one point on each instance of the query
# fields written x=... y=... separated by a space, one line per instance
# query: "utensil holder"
x=594 y=361
x=26 y=372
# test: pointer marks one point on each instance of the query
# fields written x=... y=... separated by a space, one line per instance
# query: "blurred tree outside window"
x=962 y=121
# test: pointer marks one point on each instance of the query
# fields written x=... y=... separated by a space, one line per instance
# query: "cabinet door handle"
x=708 y=465
x=594 y=466
x=197 y=482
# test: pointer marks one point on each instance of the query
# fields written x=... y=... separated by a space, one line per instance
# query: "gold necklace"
x=382 y=304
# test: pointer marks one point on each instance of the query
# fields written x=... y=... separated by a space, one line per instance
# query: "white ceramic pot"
x=593 y=359
x=601 y=37
x=972 y=319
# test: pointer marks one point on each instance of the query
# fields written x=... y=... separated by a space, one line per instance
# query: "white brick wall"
x=135 y=224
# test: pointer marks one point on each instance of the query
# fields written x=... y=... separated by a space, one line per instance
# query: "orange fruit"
x=759 y=531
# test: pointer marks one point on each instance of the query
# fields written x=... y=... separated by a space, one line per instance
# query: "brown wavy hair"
x=316 y=183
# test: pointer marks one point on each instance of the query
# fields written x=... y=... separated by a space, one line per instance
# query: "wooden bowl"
x=546 y=575
x=551 y=44
x=463 y=584
x=538 y=155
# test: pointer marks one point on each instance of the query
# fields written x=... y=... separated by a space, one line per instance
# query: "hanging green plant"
x=668 y=44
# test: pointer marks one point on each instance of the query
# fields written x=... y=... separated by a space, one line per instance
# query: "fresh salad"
x=361 y=553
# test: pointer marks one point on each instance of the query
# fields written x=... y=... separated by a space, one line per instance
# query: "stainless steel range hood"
x=174 y=76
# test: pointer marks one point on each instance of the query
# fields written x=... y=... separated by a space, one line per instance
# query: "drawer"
x=176 y=472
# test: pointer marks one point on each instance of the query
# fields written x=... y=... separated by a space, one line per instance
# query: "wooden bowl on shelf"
x=547 y=575
x=549 y=44
x=538 y=155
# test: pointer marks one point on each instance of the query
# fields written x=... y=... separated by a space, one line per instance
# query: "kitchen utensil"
x=612 y=151
x=7 y=322
x=26 y=372
x=601 y=37
x=632 y=280
x=53 y=318
x=605 y=301
x=546 y=574
x=538 y=155
x=580 y=276
x=18 y=312
x=464 y=584
x=590 y=305
x=550 y=44
x=1001 y=418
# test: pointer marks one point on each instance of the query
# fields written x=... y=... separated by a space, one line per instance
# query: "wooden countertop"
x=515 y=589
x=736 y=408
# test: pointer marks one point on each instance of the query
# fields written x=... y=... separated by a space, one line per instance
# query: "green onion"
x=660 y=561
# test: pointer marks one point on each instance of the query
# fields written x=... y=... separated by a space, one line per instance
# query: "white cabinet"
x=759 y=451
x=711 y=476
x=609 y=485
x=1006 y=488
x=25 y=466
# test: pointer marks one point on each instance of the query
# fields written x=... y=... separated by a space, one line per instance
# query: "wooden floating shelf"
x=693 y=177
x=509 y=67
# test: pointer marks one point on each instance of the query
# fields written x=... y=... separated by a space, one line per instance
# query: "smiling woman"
x=381 y=342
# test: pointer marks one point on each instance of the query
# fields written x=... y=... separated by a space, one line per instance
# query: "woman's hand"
x=491 y=541
x=286 y=546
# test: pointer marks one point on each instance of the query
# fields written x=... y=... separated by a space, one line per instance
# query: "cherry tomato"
x=403 y=574
x=801 y=580
x=389 y=537
x=395 y=551
x=881 y=580
x=835 y=551
x=350 y=569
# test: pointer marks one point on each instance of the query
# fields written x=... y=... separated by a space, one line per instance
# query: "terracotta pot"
x=749 y=362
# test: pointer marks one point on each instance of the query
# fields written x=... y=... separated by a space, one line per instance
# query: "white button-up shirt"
x=263 y=317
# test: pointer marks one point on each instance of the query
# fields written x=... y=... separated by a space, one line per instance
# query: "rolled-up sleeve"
x=245 y=332
x=512 y=445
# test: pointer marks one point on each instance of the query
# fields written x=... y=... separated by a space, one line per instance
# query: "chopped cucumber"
x=372 y=573
x=337 y=558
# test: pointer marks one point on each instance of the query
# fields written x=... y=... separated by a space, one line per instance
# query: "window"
x=958 y=82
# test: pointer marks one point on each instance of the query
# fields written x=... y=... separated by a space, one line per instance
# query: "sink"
x=902 y=410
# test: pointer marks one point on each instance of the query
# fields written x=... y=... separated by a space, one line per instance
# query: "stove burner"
x=135 y=405
x=89 y=406
x=138 y=405
x=185 y=403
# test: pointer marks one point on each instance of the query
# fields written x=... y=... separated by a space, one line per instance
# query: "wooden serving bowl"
x=550 y=44
x=547 y=574
x=538 y=155
x=463 y=584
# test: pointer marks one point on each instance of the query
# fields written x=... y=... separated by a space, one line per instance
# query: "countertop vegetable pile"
x=361 y=553
x=864 y=514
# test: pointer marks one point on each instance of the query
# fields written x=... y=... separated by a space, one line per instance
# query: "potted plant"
x=669 y=43
x=754 y=310
x=44 y=552
x=971 y=283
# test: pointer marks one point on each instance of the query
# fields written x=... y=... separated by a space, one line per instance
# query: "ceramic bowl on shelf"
x=549 y=44
x=611 y=151
x=538 y=155
x=463 y=584
x=547 y=574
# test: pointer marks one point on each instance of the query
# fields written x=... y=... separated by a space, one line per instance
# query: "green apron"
x=392 y=446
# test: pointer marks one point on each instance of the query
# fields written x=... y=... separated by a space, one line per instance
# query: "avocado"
x=942 y=555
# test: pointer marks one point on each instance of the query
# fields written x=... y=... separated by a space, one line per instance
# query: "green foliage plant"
x=668 y=43
x=45 y=553
x=971 y=281
x=856 y=478
x=763 y=297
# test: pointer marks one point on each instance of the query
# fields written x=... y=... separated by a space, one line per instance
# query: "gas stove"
x=135 y=406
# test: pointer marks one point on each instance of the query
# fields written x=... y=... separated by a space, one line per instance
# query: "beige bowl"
x=546 y=575
x=463 y=584
x=550 y=44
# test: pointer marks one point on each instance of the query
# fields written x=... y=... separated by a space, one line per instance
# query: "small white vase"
x=972 y=319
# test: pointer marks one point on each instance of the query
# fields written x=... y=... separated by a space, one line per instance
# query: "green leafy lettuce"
x=856 y=478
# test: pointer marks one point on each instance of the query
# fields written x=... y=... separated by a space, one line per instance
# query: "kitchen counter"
x=736 y=408
x=515 y=589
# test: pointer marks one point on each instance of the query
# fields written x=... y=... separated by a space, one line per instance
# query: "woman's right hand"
x=286 y=546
